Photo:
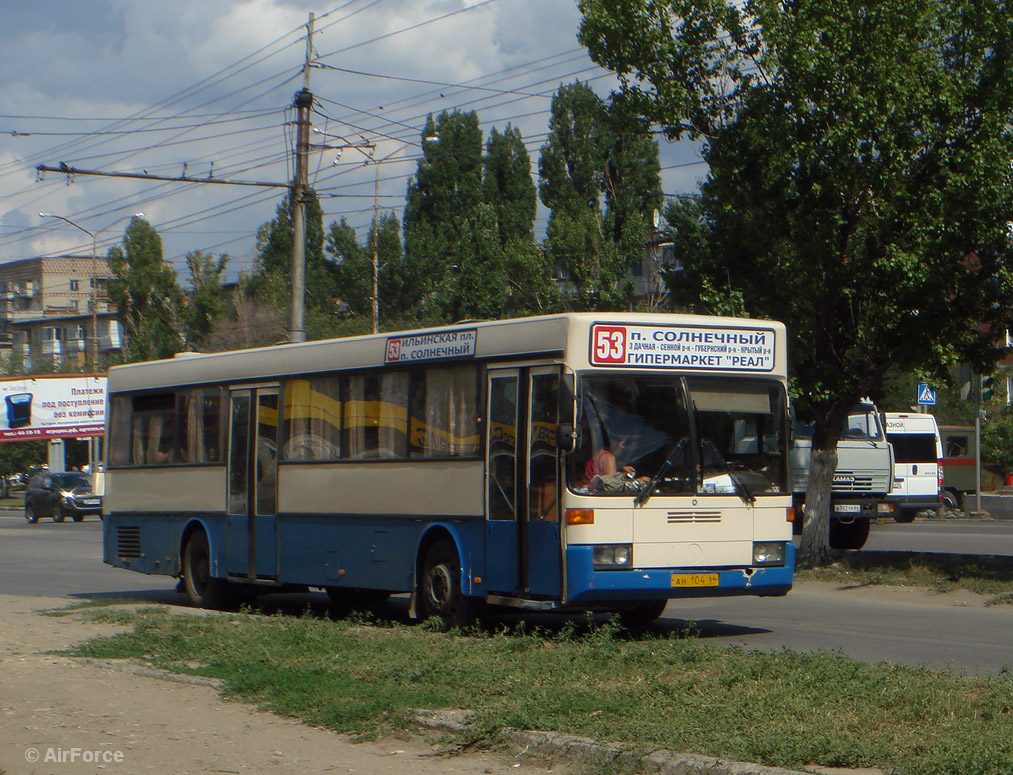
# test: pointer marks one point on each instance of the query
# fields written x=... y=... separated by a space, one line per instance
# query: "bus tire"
x=849 y=535
x=200 y=586
x=440 y=588
x=641 y=614
x=951 y=500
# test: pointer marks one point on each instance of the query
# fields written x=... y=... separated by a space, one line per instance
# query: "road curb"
x=573 y=749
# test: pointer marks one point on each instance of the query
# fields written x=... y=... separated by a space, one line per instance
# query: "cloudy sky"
x=204 y=88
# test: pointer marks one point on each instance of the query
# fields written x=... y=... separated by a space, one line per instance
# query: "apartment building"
x=54 y=311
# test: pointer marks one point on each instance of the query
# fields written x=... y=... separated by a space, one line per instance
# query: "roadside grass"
x=983 y=575
x=367 y=677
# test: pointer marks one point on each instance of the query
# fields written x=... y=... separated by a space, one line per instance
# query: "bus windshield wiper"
x=741 y=489
x=648 y=490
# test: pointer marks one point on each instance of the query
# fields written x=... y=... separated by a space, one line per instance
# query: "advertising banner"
x=52 y=407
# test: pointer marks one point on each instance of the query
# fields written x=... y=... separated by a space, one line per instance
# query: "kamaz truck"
x=862 y=479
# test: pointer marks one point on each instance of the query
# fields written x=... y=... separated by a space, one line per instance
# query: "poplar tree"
x=205 y=296
x=148 y=299
x=601 y=185
x=442 y=207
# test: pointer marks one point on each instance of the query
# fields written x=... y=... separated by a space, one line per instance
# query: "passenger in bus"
x=604 y=473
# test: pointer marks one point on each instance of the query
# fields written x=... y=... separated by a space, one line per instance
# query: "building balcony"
x=74 y=346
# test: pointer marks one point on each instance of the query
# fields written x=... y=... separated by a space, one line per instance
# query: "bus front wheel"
x=200 y=586
x=440 y=588
x=639 y=615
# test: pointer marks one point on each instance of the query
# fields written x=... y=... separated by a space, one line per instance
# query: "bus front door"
x=252 y=550
x=523 y=543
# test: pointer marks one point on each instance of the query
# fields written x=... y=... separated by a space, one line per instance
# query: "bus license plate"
x=847 y=508
x=694 y=579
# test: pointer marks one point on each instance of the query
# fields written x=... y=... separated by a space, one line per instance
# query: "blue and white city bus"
x=607 y=461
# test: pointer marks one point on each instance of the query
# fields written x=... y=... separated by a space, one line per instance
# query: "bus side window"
x=542 y=498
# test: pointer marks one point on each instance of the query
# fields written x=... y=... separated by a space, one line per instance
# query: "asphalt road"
x=871 y=624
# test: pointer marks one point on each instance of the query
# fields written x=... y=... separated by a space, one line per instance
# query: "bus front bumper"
x=586 y=585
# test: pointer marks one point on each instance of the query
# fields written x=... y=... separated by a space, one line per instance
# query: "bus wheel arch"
x=203 y=589
x=438 y=582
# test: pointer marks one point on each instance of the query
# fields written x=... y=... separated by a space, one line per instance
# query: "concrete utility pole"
x=303 y=102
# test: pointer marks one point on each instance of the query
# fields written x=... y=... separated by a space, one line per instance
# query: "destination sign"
x=435 y=345
x=684 y=348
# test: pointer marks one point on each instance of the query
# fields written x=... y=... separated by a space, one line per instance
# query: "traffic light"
x=987 y=388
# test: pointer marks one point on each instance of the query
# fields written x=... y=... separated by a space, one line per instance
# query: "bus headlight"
x=768 y=553
x=613 y=557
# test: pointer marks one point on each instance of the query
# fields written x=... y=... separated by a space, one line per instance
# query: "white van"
x=917 y=463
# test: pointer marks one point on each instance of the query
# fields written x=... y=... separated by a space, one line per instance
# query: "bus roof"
x=543 y=336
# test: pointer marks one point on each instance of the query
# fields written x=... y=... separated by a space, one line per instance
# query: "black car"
x=61 y=495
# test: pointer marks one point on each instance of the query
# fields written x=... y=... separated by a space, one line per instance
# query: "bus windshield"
x=693 y=435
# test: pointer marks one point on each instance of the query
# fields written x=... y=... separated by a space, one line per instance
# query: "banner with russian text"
x=52 y=407
x=692 y=348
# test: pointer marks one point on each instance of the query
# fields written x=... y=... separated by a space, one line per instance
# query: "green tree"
x=205 y=296
x=859 y=183
x=508 y=186
x=17 y=457
x=353 y=267
x=443 y=210
x=511 y=192
x=148 y=299
x=571 y=170
x=997 y=442
x=601 y=183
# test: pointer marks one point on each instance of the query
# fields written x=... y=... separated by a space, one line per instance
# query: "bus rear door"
x=253 y=484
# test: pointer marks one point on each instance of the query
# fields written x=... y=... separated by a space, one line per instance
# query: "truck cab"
x=862 y=480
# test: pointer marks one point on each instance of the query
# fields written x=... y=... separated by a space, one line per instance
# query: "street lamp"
x=94 y=283
x=94 y=277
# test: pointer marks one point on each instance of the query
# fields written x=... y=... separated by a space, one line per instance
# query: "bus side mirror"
x=566 y=438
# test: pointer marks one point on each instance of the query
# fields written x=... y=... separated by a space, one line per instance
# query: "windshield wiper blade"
x=644 y=495
x=741 y=489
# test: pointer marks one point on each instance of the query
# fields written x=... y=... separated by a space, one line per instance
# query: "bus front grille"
x=128 y=541
x=693 y=517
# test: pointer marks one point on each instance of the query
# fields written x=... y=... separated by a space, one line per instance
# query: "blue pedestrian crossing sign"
x=926 y=395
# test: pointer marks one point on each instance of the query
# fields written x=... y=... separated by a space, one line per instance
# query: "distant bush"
x=997 y=441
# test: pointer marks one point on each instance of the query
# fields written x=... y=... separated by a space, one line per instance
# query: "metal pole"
x=977 y=443
x=375 y=299
x=303 y=102
x=94 y=306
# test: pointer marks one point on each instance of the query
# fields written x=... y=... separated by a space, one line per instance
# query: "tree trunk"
x=814 y=549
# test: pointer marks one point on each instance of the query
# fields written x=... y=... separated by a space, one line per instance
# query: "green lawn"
x=366 y=676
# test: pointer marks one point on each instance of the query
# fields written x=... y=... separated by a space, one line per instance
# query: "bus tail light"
x=580 y=516
x=789 y=514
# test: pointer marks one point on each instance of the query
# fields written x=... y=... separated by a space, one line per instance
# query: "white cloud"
x=108 y=59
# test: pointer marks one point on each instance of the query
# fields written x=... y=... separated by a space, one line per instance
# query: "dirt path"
x=72 y=717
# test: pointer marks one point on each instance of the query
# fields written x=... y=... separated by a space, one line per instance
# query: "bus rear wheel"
x=200 y=586
x=440 y=588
